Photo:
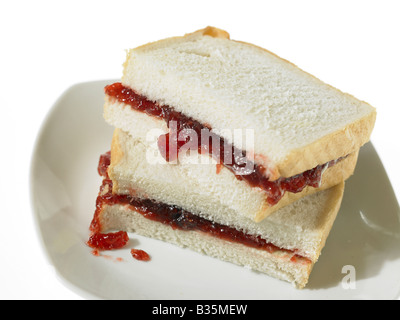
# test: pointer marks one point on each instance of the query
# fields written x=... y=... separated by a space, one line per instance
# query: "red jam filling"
x=225 y=154
x=177 y=218
x=140 y=255
x=104 y=162
x=108 y=241
x=105 y=241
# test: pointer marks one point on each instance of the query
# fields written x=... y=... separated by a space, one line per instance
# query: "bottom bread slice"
x=115 y=213
x=277 y=264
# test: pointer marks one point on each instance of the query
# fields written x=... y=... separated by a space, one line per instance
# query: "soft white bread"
x=195 y=183
x=302 y=226
x=299 y=122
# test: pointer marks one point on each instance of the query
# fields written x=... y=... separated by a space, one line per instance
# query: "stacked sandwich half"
x=227 y=149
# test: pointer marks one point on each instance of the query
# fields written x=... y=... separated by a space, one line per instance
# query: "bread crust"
x=117 y=155
x=331 y=177
x=210 y=31
x=338 y=144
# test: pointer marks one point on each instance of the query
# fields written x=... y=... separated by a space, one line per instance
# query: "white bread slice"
x=302 y=226
x=198 y=188
x=299 y=122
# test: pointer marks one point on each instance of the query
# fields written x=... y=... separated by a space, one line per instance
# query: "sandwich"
x=225 y=148
x=192 y=93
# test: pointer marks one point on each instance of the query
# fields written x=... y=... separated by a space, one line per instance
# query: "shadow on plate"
x=366 y=233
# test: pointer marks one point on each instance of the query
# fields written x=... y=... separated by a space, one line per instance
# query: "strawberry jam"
x=104 y=162
x=177 y=218
x=140 y=255
x=226 y=154
x=108 y=241
x=98 y=240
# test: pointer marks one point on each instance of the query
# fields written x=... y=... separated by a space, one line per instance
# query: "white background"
x=47 y=46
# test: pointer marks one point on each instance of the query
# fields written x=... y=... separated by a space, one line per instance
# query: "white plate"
x=64 y=186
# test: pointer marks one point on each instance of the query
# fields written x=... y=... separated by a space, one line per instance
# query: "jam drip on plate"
x=108 y=241
x=177 y=218
x=226 y=154
x=140 y=255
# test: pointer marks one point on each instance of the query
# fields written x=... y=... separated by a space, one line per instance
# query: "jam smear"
x=104 y=163
x=97 y=239
x=177 y=218
x=97 y=253
x=140 y=255
x=226 y=154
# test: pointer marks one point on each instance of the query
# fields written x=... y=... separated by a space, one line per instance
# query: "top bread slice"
x=299 y=122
